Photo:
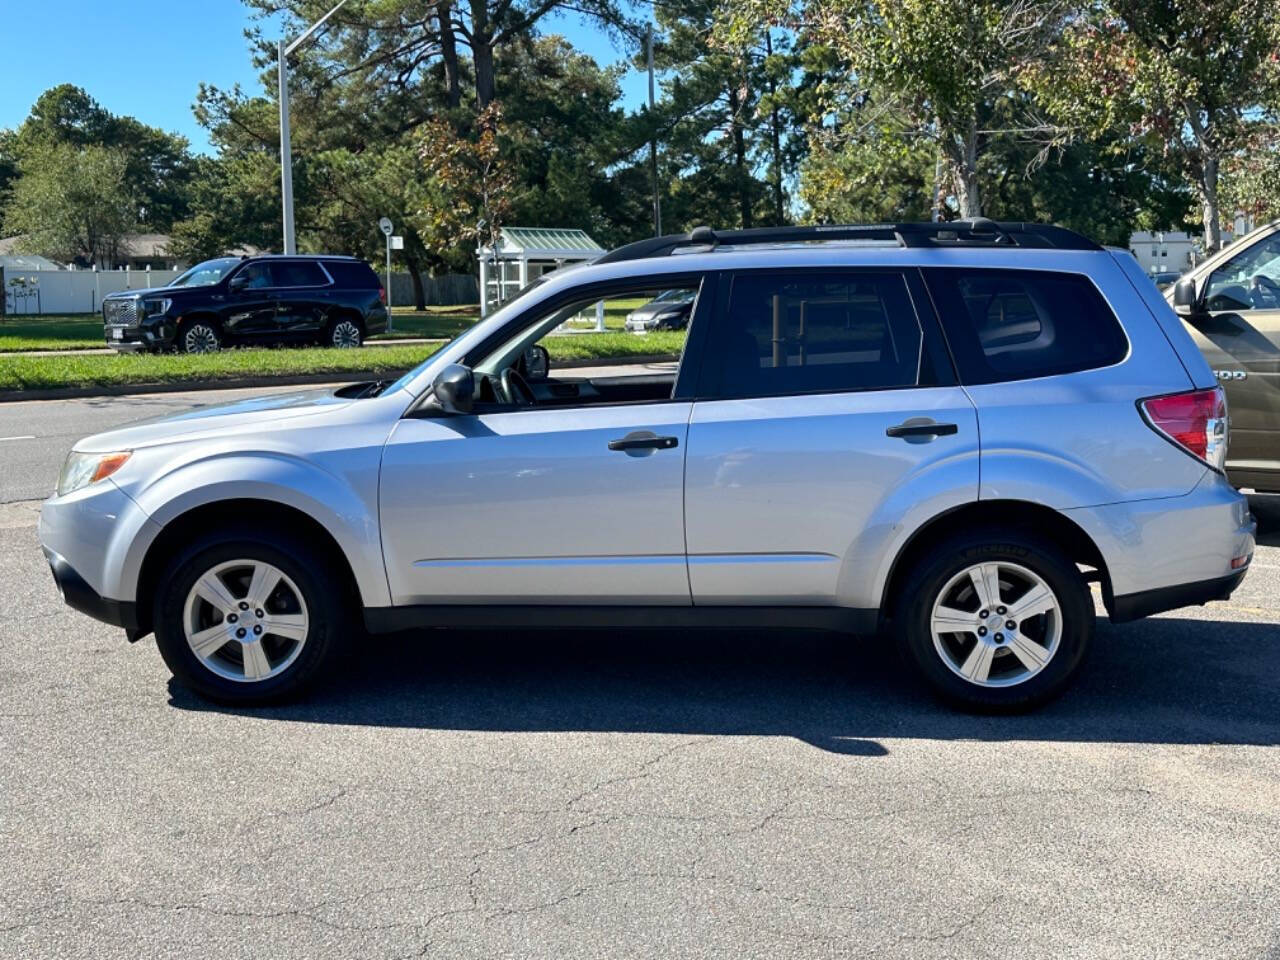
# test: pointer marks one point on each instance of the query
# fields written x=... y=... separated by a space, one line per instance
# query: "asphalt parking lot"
x=631 y=794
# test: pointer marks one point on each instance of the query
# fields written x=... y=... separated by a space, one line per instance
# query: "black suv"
x=335 y=301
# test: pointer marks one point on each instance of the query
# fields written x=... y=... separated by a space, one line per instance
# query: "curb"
x=304 y=379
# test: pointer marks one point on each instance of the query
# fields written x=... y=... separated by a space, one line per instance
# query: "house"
x=138 y=251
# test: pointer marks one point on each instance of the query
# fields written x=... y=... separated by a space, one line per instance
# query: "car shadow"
x=1164 y=680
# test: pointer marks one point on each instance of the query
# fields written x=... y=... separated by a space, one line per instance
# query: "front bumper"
x=78 y=595
x=138 y=337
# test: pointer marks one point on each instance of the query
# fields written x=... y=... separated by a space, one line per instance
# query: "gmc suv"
x=335 y=301
x=939 y=433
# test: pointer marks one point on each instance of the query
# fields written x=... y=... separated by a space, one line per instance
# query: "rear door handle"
x=643 y=440
x=920 y=427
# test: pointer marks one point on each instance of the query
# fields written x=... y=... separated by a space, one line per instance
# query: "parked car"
x=938 y=433
x=1230 y=304
x=669 y=310
x=1164 y=278
x=335 y=301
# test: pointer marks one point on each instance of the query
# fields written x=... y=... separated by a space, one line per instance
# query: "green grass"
x=436 y=322
x=18 y=372
x=52 y=332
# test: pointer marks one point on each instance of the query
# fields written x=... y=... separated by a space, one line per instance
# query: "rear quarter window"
x=1018 y=324
x=352 y=274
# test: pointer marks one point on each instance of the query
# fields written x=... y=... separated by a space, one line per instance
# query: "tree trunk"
x=970 y=194
x=482 y=52
x=1209 y=193
x=739 y=157
x=449 y=54
x=775 y=135
x=415 y=277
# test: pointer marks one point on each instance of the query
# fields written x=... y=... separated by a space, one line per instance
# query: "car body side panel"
x=1170 y=323
x=797 y=500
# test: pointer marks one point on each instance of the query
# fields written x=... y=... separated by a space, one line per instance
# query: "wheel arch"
x=264 y=514
x=1016 y=514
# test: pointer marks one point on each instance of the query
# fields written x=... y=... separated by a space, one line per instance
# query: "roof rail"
x=976 y=232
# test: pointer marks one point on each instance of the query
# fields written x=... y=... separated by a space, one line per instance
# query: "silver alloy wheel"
x=245 y=620
x=346 y=334
x=996 y=624
x=200 y=338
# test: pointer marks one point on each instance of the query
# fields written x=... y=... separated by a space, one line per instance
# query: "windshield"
x=206 y=274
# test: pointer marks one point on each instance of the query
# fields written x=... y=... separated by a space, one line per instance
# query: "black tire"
x=345 y=332
x=199 y=335
x=925 y=583
x=328 y=603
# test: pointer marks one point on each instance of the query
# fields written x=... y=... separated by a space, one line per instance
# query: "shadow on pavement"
x=1166 y=680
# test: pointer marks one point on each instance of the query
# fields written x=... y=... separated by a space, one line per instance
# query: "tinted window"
x=790 y=334
x=352 y=274
x=298 y=273
x=1015 y=324
x=257 y=276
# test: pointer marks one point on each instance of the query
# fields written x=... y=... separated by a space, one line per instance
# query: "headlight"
x=155 y=308
x=82 y=469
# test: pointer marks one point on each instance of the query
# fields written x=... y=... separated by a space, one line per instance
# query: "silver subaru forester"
x=939 y=432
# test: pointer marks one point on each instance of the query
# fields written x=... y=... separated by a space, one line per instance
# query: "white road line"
x=26 y=437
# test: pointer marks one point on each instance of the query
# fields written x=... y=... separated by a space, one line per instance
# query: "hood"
x=144 y=292
x=216 y=420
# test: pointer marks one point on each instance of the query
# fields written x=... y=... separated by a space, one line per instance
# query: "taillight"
x=382 y=295
x=1196 y=421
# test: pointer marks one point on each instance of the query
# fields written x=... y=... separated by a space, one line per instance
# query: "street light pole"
x=286 y=152
x=653 y=144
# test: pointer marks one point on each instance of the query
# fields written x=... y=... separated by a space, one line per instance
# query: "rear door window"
x=796 y=333
x=352 y=274
x=1018 y=324
x=298 y=273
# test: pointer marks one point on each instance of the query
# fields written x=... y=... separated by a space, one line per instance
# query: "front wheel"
x=996 y=621
x=199 y=336
x=243 y=620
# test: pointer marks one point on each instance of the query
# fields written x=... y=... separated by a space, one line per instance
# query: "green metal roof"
x=547 y=241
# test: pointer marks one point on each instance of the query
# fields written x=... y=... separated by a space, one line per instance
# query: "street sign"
x=397 y=243
x=386 y=225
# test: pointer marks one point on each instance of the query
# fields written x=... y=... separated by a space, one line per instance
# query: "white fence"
x=72 y=291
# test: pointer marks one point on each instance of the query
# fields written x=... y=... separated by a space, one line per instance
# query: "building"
x=525 y=253
x=1170 y=251
x=139 y=251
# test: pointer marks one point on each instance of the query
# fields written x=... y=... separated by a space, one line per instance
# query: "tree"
x=934 y=69
x=73 y=203
x=1196 y=76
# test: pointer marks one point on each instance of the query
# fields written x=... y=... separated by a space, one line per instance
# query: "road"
x=617 y=794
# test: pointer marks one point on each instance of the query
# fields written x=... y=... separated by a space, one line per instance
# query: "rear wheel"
x=996 y=621
x=244 y=620
x=199 y=336
x=344 y=333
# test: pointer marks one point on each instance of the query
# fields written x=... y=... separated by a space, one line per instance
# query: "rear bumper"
x=78 y=595
x=1134 y=606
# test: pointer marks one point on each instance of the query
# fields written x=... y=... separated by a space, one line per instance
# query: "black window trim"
x=933 y=343
x=268 y=263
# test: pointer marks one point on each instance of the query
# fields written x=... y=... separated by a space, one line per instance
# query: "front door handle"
x=921 y=429
x=644 y=440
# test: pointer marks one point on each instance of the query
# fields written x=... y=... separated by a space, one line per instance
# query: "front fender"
x=328 y=497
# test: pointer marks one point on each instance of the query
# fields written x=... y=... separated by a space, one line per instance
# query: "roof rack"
x=976 y=232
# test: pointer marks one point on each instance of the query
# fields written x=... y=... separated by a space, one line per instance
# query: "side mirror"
x=454 y=388
x=1184 y=296
x=537 y=362
x=238 y=283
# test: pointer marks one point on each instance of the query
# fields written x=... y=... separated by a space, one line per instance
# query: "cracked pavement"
x=610 y=794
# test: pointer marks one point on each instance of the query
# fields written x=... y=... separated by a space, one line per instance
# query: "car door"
x=250 y=305
x=832 y=424
x=303 y=292
x=1239 y=334
x=581 y=502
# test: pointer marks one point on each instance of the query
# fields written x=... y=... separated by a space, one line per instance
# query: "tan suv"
x=1231 y=305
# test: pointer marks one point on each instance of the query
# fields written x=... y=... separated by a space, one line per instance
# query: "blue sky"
x=146 y=58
